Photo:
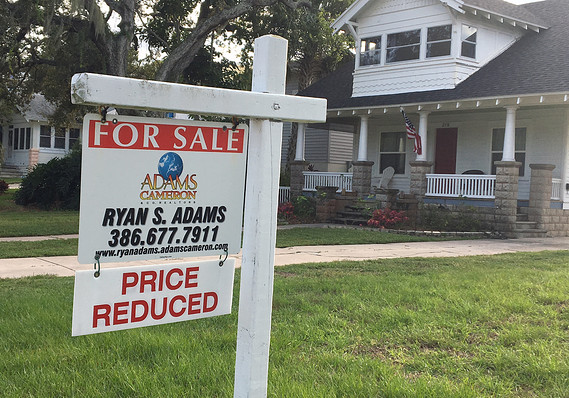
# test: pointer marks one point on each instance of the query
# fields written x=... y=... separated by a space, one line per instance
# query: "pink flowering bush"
x=286 y=212
x=387 y=218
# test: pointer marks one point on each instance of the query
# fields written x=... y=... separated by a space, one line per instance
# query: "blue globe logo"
x=170 y=165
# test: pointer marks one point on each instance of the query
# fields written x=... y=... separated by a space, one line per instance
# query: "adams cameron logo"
x=169 y=183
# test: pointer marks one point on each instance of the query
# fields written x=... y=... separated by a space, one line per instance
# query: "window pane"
x=73 y=137
x=521 y=139
x=468 y=33
x=468 y=50
x=22 y=138
x=395 y=160
x=370 y=51
x=498 y=140
x=521 y=157
x=398 y=54
x=438 y=33
x=45 y=136
x=392 y=142
x=28 y=137
x=438 y=49
x=404 y=38
x=496 y=157
x=16 y=138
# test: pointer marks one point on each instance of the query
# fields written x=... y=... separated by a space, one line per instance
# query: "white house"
x=486 y=85
x=28 y=139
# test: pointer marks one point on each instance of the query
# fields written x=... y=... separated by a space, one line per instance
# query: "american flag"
x=412 y=134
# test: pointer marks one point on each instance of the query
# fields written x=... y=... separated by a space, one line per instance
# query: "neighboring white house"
x=28 y=139
x=481 y=80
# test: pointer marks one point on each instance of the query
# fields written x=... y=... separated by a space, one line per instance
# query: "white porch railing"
x=284 y=194
x=460 y=185
x=556 y=189
x=313 y=179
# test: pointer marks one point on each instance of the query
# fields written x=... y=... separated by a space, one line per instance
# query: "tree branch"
x=183 y=55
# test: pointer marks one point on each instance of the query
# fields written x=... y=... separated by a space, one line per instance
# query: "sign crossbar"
x=122 y=92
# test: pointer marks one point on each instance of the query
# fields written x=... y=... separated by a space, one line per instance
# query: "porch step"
x=521 y=217
x=352 y=215
x=526 y=229
x=7 y=171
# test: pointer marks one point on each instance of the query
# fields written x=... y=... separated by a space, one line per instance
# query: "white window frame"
x=402 y=151
x=418 y=44
x=367 y=53
x=463 y=40
x=427 y=42
x=518 y=151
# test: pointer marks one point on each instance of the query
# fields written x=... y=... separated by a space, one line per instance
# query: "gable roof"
x=536 y=64
x=38 y=109
x=499 y=9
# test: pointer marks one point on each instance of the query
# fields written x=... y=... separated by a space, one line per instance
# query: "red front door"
x=445 y=151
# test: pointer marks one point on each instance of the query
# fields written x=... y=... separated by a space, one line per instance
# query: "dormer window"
x=403 y=46
x=468 y=42
x=370 y=51
x=439 y=41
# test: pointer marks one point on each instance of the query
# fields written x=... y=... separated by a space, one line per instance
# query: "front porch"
x=447 y=186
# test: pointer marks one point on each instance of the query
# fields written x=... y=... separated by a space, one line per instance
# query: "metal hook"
x=235 y=121
x=221 y=262
x=97 y=265
x=103 y=112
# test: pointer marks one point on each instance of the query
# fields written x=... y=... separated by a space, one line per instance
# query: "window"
x=45 y=136
x=16 y=138
x=438 y=41
x=73 y=137
x=21 y=138
x=468 y=41
x=28 y=137
x=403 y=46
x=498 y=147
x=59 y=138
x=392 y=151
x=370 y=51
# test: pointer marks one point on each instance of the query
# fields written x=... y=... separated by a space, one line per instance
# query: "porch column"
x=423 y=119
x=508 y=155
x=540 y=194
x=361 y=180
x=362 y=148
x=506 y=196
x=418 y=183
x=299 y=156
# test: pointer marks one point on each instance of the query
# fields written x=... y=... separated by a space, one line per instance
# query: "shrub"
x=55 y=184
x=440 y=218
x=286 y=212
x=387 y=218
x=3 y=186
x=304 y=208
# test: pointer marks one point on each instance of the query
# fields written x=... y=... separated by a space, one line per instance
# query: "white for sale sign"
x=130 y=297
x=159 y=188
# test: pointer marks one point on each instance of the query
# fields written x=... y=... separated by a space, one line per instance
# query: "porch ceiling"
x=532 y=100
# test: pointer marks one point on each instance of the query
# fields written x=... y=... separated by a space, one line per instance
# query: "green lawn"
x=486 y=326
x=23 y=221
x=285 y=238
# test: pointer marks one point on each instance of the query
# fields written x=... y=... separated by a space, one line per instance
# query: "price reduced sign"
x=160 y=188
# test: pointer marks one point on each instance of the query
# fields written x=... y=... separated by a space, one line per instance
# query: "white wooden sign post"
x=266 y=106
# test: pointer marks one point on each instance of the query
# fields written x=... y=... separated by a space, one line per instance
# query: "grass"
x=18 y=220
x=486 y=326
x=341 y=236
x=285 y=238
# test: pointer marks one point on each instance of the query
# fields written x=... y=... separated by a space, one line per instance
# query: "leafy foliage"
x=439 y=218
x=3 y=186
x=387 y=218
x=55 y=184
